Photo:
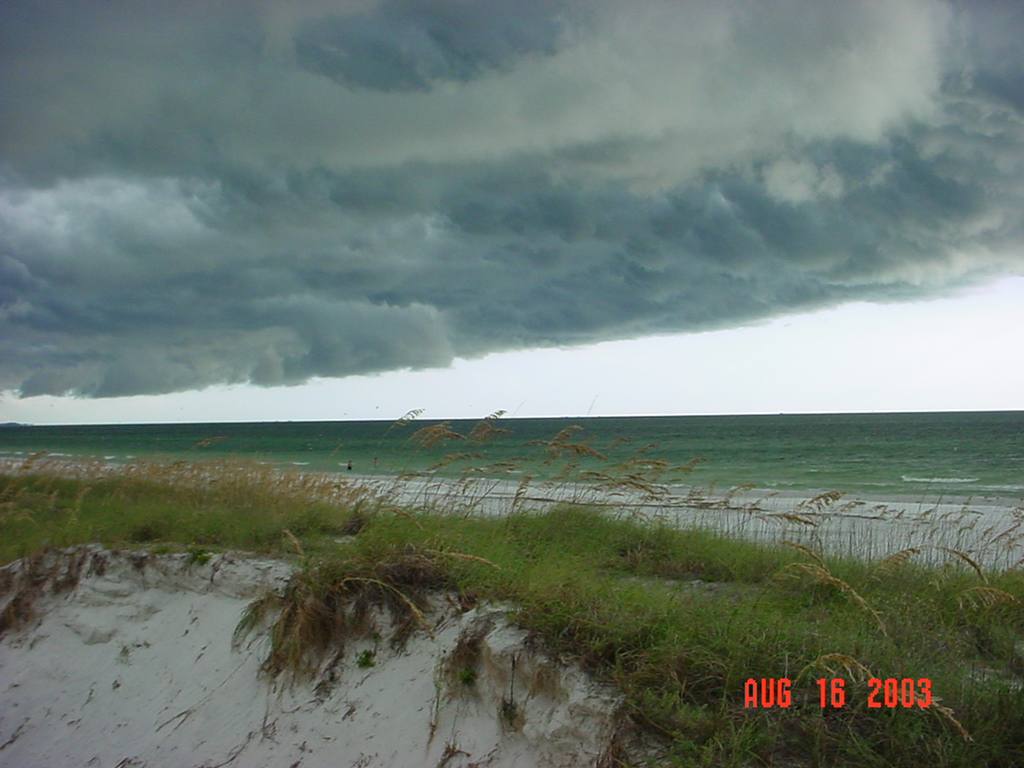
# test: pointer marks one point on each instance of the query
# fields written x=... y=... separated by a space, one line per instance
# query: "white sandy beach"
x=991 y=529
x=132 y=664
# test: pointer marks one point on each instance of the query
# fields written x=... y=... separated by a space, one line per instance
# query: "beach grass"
x=678 y=619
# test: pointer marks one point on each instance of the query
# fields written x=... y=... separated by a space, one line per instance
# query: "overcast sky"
x=264 y=211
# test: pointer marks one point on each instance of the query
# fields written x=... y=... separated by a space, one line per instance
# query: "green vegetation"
x=366 y=659
x=198 y=555
x=194 y=508
x=678 y=619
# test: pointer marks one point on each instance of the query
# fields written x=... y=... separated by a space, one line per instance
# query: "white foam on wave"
x=909 y=479
x=301 y=463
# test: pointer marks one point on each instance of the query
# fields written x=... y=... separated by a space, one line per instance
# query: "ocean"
x=891 y=455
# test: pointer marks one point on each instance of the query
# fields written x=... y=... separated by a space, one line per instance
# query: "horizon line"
x=15 y=424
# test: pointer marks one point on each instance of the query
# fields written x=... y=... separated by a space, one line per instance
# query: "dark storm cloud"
x=403 y=45
x=254 y=193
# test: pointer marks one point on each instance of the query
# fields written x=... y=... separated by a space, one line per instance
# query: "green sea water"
x=976 y=454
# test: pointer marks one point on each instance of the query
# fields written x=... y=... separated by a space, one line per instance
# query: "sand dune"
x=126 y=659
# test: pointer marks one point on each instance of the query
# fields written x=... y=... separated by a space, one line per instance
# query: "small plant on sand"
x=462 y=662
x=511 y=715
x=329 y=602
x=366 y=659
x=198 y=556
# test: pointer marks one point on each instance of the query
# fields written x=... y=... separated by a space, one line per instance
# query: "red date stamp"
x=887 y=693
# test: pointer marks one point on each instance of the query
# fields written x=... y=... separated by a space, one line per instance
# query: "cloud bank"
x=260 y=193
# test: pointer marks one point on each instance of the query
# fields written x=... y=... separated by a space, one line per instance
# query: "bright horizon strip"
x=952 y=354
